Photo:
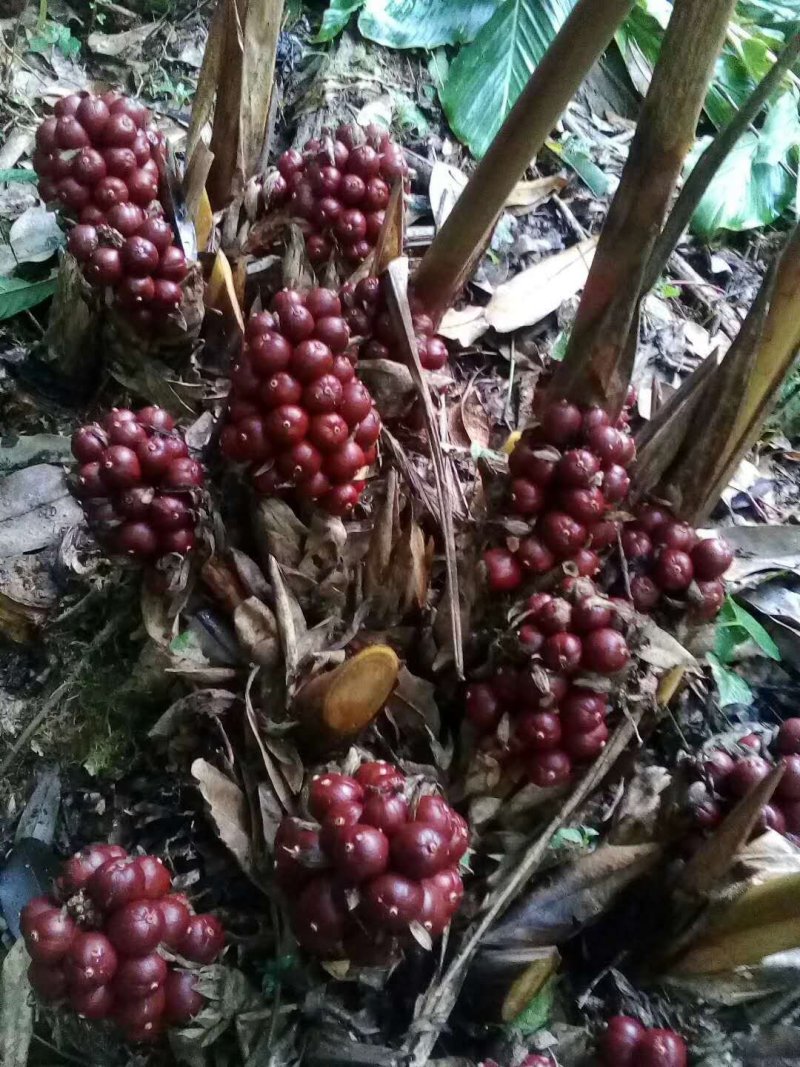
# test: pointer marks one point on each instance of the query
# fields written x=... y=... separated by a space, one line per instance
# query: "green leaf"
x=536 y=1016
x=487 y=76
x=17 y=295
x=424 y=23
x=575 y=153
x=753 y=186
x=18 y=174
x=54 y=35
x=752 y=627
x=731 y=688
x=336 y=18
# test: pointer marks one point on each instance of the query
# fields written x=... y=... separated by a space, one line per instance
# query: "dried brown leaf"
x=257 y=631
x=227 y=807
x=16 y=1007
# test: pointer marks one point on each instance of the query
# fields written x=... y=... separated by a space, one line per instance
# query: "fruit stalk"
x=449 y=261
x=599 y=359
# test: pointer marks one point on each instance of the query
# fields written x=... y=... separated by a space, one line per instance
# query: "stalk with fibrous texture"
x=707 y=165
x=455 y=250
x=599 y=359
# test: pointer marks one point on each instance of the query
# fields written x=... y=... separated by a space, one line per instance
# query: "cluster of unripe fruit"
x=668 y=563
x=97 y=156
x=628 y=1043
x=555 y=719
x=297 y=413
x=105 y=942
x=373 y=862
x=728 y=777
x=137 y=483
x=568 y=474
x=368 y=317
x=338 y=187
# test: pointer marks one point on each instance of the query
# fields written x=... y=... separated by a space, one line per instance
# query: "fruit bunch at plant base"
x=338 y=188
x=98 y=158
x=368 y=317
x=137 y=483
x=669 y=565
x=568 y=477
x=104 y=943
x=297 y=414
x=729 y=777
x=627 y=1043
x=374 y=862
x=556 y=721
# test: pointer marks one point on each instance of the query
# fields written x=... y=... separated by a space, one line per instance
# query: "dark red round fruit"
x=356 y=403
x=97 y=1003
x=549 y=769
x=435 y=913
x=538 y=730
x=90 y=484
x=534 y=557
x=124 y=105
x=142 y=187
x=650 y=518
x=318 y=918
x=125 y=218
x=89 y=443
x=618 y=1044
x=326 y=211
x=297 y=323
x=364 y=161
x=91 y=960
x=310 y=360
x=616 y=483
x=530 y=638
x=340 y=499
x=168 y=513
x=79 y=868
x=323 y=303
x=772 y=817
x=386 y=812
x=88 y=167
x=788 y=739
x=182 y=999
x=712 y=597
x=119 y=161
x=328 y=431
x=527 y=497
x=606 y=443
x=300 y=462
x=591 y=613
x=644 y=593
x=359 y=853
x=287 y=424
x=577 y=468
x=592 y=417
x=503 y=572
x=707 y=813
x=483 y=707
x=144 y=1014
x=46 y=135
x=329 y=789
x=49 y=934
x=605 y=651
x=175 y=916
x=204 y=939
x=582 y=747
x=636 y=545
x=269 y=353
x=586 y=562
x=135 y=293
x=746 y=775
x=120 y=467
x=343 y=464
x=391 y=901
x=70 y=134
x=553 y=616
x=459 y=839
x=82 y=242
x=582 y=711
x=435 y=355
x=119 y=131
x=585 y=505
x=49 y=981
x=419 y=851
x=333 y=332
x=126 y=432
x=448 y=882
x=660 y=1048
x=562 y=652
x=172 y=265
x=337 y=819
x=368 y=430
x=157 y=880
x=139 y=976
x=561 y=423
x=183 y=473
x=673 y=571
x=116 y=883
x=562 y=534
x=139 y=256
x=675 y=535
x=104 y=267
x=711 y=557
x=789 y=786
x=72 y=194
x=717 y=765
x=180 y=542
x=290 y=162
x=436 y=812
x=166 y=296
x=380 y=776
x=352 y=189
x=603 y=534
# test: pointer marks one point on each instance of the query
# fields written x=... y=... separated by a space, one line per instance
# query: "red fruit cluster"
x=371 y=864
x=555 y=721
x=667 y=561
x=369 y=319
x=99 y=159
x=567 y=474
x=100 y=942
x=137 y=483
x=339 y=187
x=729 y=777
x=627 y=1043
x=297 y=413
x=532 y=1059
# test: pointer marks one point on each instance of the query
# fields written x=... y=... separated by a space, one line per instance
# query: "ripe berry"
x=120 y=467
x=605 y=651
x=385 y=812
x=590 y=613
x=172 y=265
x=138 y=976
x=49 y=934
x=582 y=711
x=549 y=769
x=180 y=542
x=712 y=597
x=561 y=423
x=651 y=518
x=142 y=187
x=204 y=939
x=717 y=765
x=341 y=499
x=166 y=296
x=380 y=776
x=436 y=812
x=139 y=256
x=673 y=571
x=97 y=1003
x=675 y=535
x=577 y=468
x=119 y=131
x=483 y=708
x=392 y=901
x=49 y=981
x=539 y=730
x=554 y=616
x=91 y=960
x=711 y=557
x=419 y=851
x=585 y=746
x=183 y=473
x=534 y=557
x=603 y=534
x=329 y=789
x=343 y=464
x=435 y=913
x=618 y=1044
x=746 y=775
x=360 y=852
x=606 y=443
x=644 y=593
x=318 y=918
x=115 y=883
x=136 y=928
x=772 y=818
x=562 y=534
x=616 y=483
x=636 y=545
x=182 y=1000
x=660 y=1048
x=368 y=430
x=135 y=293
x=527 y=497
x=459 y=839
x=503 y=572
x=356 y=403
x=788 y=739
x=104 y=267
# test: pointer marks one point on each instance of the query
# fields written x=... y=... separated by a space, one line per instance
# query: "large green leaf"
x=424 y=23
x=336 y=18
x=17 y=295
x=487 y=76
x=753 y=186
x=769 y=13
x=731 y=687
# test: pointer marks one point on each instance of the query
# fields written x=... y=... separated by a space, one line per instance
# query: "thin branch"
x=708 y=164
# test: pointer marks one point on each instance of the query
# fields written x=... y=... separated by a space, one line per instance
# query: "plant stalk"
x=456 y=248
x=708 y=164
x=599 y=359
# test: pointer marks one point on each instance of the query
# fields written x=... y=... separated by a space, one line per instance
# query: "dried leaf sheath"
x=599 y=359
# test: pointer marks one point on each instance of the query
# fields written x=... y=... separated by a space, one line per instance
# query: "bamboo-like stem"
x=708 y=164
x=777 y=351
x=454 y=251
x=599 y=359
